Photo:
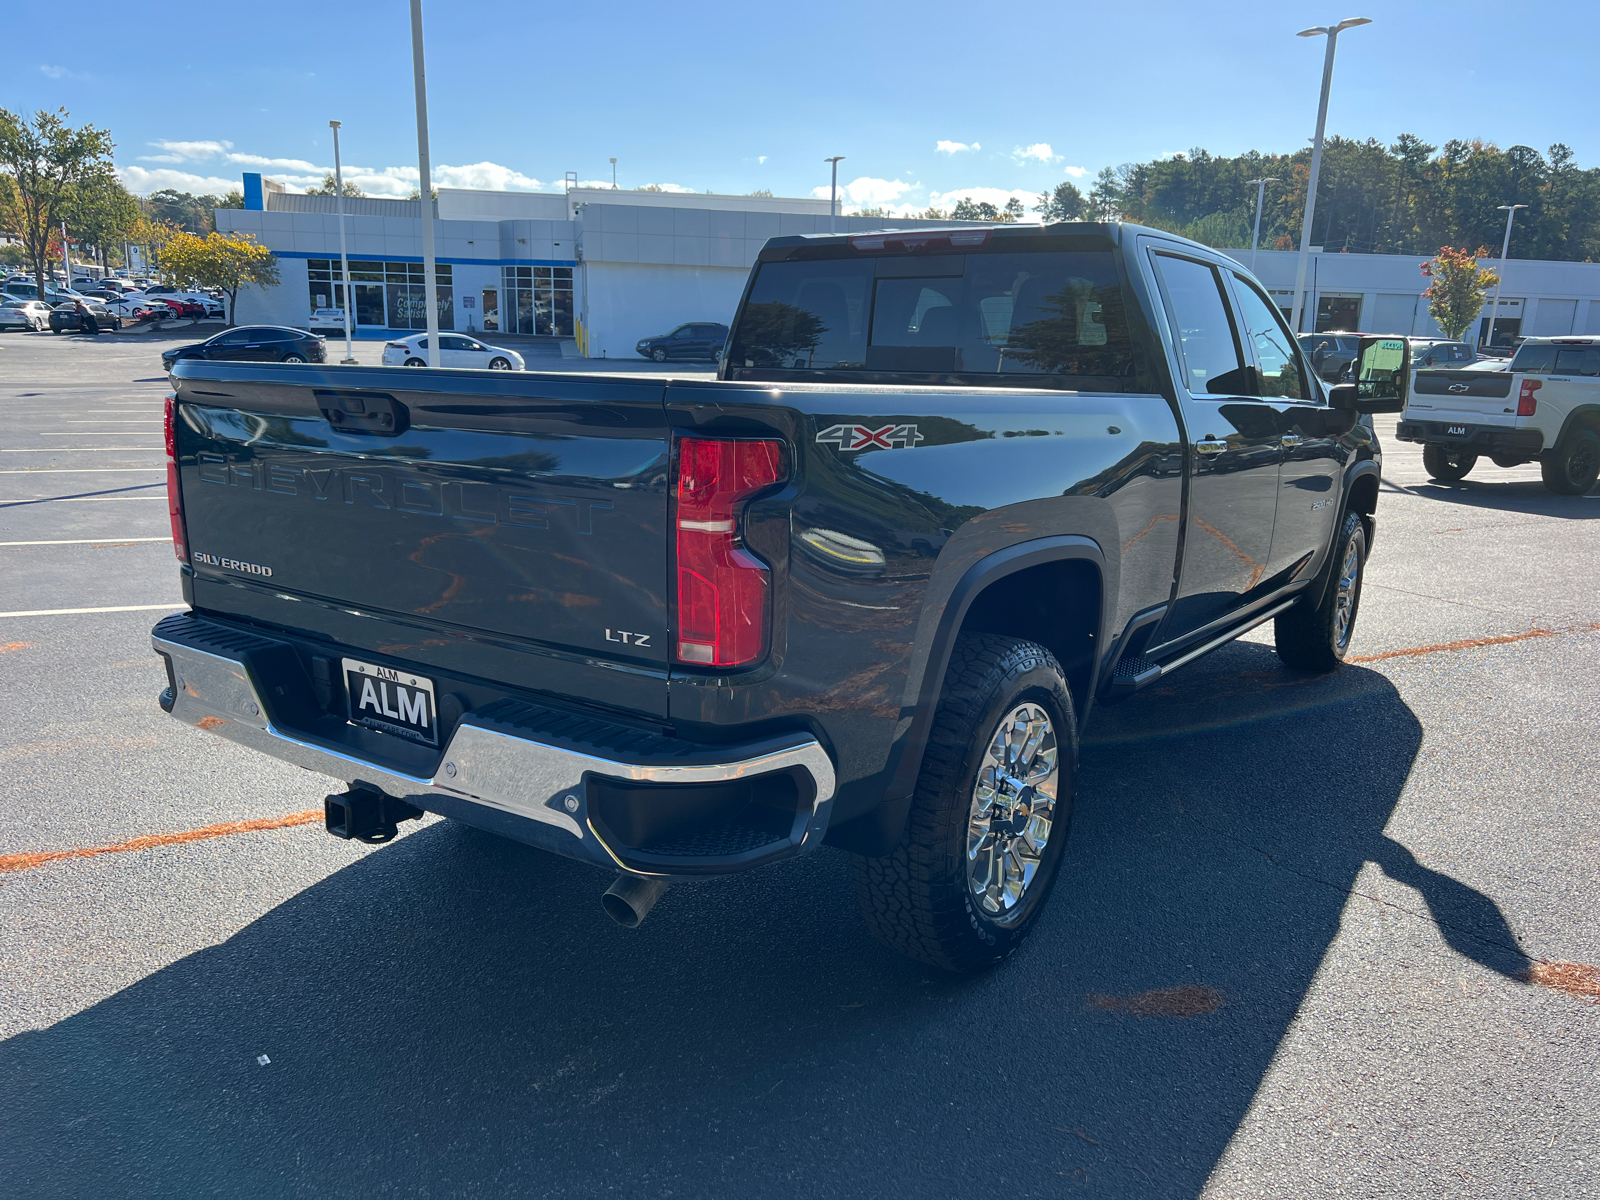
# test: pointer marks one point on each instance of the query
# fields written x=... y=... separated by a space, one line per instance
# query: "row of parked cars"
x=114 y=302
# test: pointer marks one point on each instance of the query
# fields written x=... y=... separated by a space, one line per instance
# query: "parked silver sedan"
x=24 y=315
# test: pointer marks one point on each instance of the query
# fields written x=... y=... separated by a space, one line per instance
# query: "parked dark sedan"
x=254 y=343
x=703 y=340
x=64 y=318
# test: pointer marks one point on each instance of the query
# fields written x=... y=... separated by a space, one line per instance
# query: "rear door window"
x=1577 y=360
x=1207 y=344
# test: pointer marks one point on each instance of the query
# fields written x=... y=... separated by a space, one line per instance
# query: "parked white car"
x=1545 y=408
x=456 y=349
x=20 y=314
x=328 y=320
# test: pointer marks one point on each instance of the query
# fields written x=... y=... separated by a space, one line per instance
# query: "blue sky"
x=927 y=102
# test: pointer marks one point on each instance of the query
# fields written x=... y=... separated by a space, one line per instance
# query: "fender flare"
x=1588 y=414
x=878 y=830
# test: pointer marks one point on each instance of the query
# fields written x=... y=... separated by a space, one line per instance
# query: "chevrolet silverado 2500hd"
x=950 y=490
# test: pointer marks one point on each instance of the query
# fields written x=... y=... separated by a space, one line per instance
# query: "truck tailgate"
x=1441 y=395
x=510 y=525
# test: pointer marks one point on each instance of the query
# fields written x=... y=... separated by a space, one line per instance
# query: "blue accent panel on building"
x=253 y=198
x=416 y=258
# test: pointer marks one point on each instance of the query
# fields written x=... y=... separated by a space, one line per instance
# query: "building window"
x=388 y=295
x=537 y=300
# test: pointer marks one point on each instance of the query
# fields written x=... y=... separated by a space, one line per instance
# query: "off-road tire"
x=1311 y=638
x=1575 y=465
x=916 y=899
x=1446 y=463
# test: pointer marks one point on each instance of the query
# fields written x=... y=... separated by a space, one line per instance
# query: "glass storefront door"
x=491 y=310
x=538 y=300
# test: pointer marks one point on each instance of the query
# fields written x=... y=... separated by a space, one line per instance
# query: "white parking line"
x=79 y=470
x=76 y=500
x=78 y=449
x=67 y=612
x=88 y=541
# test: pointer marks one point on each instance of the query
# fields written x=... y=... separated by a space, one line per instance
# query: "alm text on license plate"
x=396 y=702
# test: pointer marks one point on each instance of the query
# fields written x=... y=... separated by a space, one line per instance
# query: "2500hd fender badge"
x=864 y=437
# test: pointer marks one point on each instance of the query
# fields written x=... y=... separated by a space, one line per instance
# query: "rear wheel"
x=1575 y=465
x=499 y=364
x=294 y=358
x=1317 y=639
x=983 y=842
x=1446 y=463
x=415 y=362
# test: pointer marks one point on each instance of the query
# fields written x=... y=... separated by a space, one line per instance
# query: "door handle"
x=1210 y=447
x=1292 y=439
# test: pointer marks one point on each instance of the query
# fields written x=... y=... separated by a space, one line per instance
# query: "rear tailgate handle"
x=363 y=412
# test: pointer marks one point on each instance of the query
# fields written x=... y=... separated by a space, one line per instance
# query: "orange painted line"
x=12 y=647
x=25 y=862
x=1474 y=643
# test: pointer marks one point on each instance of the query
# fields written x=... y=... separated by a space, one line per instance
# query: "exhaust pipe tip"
x=630 y=898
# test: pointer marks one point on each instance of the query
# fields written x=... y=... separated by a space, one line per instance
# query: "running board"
x=1134 y=673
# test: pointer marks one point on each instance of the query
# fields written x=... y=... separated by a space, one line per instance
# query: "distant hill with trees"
x=1404 y=198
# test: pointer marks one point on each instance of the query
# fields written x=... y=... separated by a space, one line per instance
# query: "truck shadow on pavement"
x=1519 y=497
x=453 y=1013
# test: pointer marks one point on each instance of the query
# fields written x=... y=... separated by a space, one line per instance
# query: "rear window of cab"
x=1546 y=359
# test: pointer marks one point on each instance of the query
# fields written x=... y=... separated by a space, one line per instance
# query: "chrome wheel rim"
x=1013 y=811
x=1344 y=603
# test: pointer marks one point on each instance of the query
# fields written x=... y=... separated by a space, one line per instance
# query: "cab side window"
x=1208 y=346
x=1275 y=350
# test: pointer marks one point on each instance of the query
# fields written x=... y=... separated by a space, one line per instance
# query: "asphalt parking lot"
x=1305 y=943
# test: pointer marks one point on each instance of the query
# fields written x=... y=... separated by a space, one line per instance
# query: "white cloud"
x=594 y=183
x=142 y=182
x=1039 y=151
x=486 y=175
x=761 y=159
x=178 y=151
x=955 y=147
x=867 y=191
x=53 y=72
x=277 y=164
x=1077 y=172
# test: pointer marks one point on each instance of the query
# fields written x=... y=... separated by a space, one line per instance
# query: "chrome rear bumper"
x=536 y=789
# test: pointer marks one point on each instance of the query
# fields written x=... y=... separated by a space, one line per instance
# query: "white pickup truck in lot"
x=1544 y=409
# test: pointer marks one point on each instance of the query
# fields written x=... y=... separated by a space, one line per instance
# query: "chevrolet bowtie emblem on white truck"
x=863 y=437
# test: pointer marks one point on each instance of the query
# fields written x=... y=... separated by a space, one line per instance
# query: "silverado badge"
x=863 y=437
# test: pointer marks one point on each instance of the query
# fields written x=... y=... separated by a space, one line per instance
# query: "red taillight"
x=180 y=541
x=722 y=588
x=1526 y=404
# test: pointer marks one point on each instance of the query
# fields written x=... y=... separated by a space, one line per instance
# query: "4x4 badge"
x=862 y=437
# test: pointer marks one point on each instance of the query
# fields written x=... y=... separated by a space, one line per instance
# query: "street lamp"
x=1261 y=195
x=349 y=359
x=833 y=191
x=1331 y=32
x=613 y=174
x=430 y=272
x=1505 y=248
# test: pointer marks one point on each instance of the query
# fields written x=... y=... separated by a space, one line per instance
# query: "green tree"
x=43 y=165
x=1459 y=288
x=1063 y=203
x=13 y=256
x=228 y=261
x=101 y=213
x=329 y=186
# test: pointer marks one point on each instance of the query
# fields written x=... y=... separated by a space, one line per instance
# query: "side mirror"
x=1382 y=378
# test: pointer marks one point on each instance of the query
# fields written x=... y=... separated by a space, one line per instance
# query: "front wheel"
x=1575 y=465
x=1446 y=463
x=658 y=355
x=499 y=364
x=984 y=838
x=1317 y=639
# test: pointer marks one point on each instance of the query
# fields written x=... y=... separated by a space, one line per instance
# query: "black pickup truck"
x=950 y=490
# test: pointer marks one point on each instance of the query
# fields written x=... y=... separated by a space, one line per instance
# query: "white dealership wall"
x=1549 y=298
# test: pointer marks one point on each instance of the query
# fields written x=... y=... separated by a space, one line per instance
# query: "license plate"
x=1455 y=431
x=396 y=702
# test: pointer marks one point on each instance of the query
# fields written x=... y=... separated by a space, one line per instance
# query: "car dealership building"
x=601 y=268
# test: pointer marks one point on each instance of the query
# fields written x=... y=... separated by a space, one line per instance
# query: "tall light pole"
x=833 y=190
x=425 y=186
x=1261 y=195
x=1505 y=248
x=344 y=258
x=1331 y=32
x=613 y=174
